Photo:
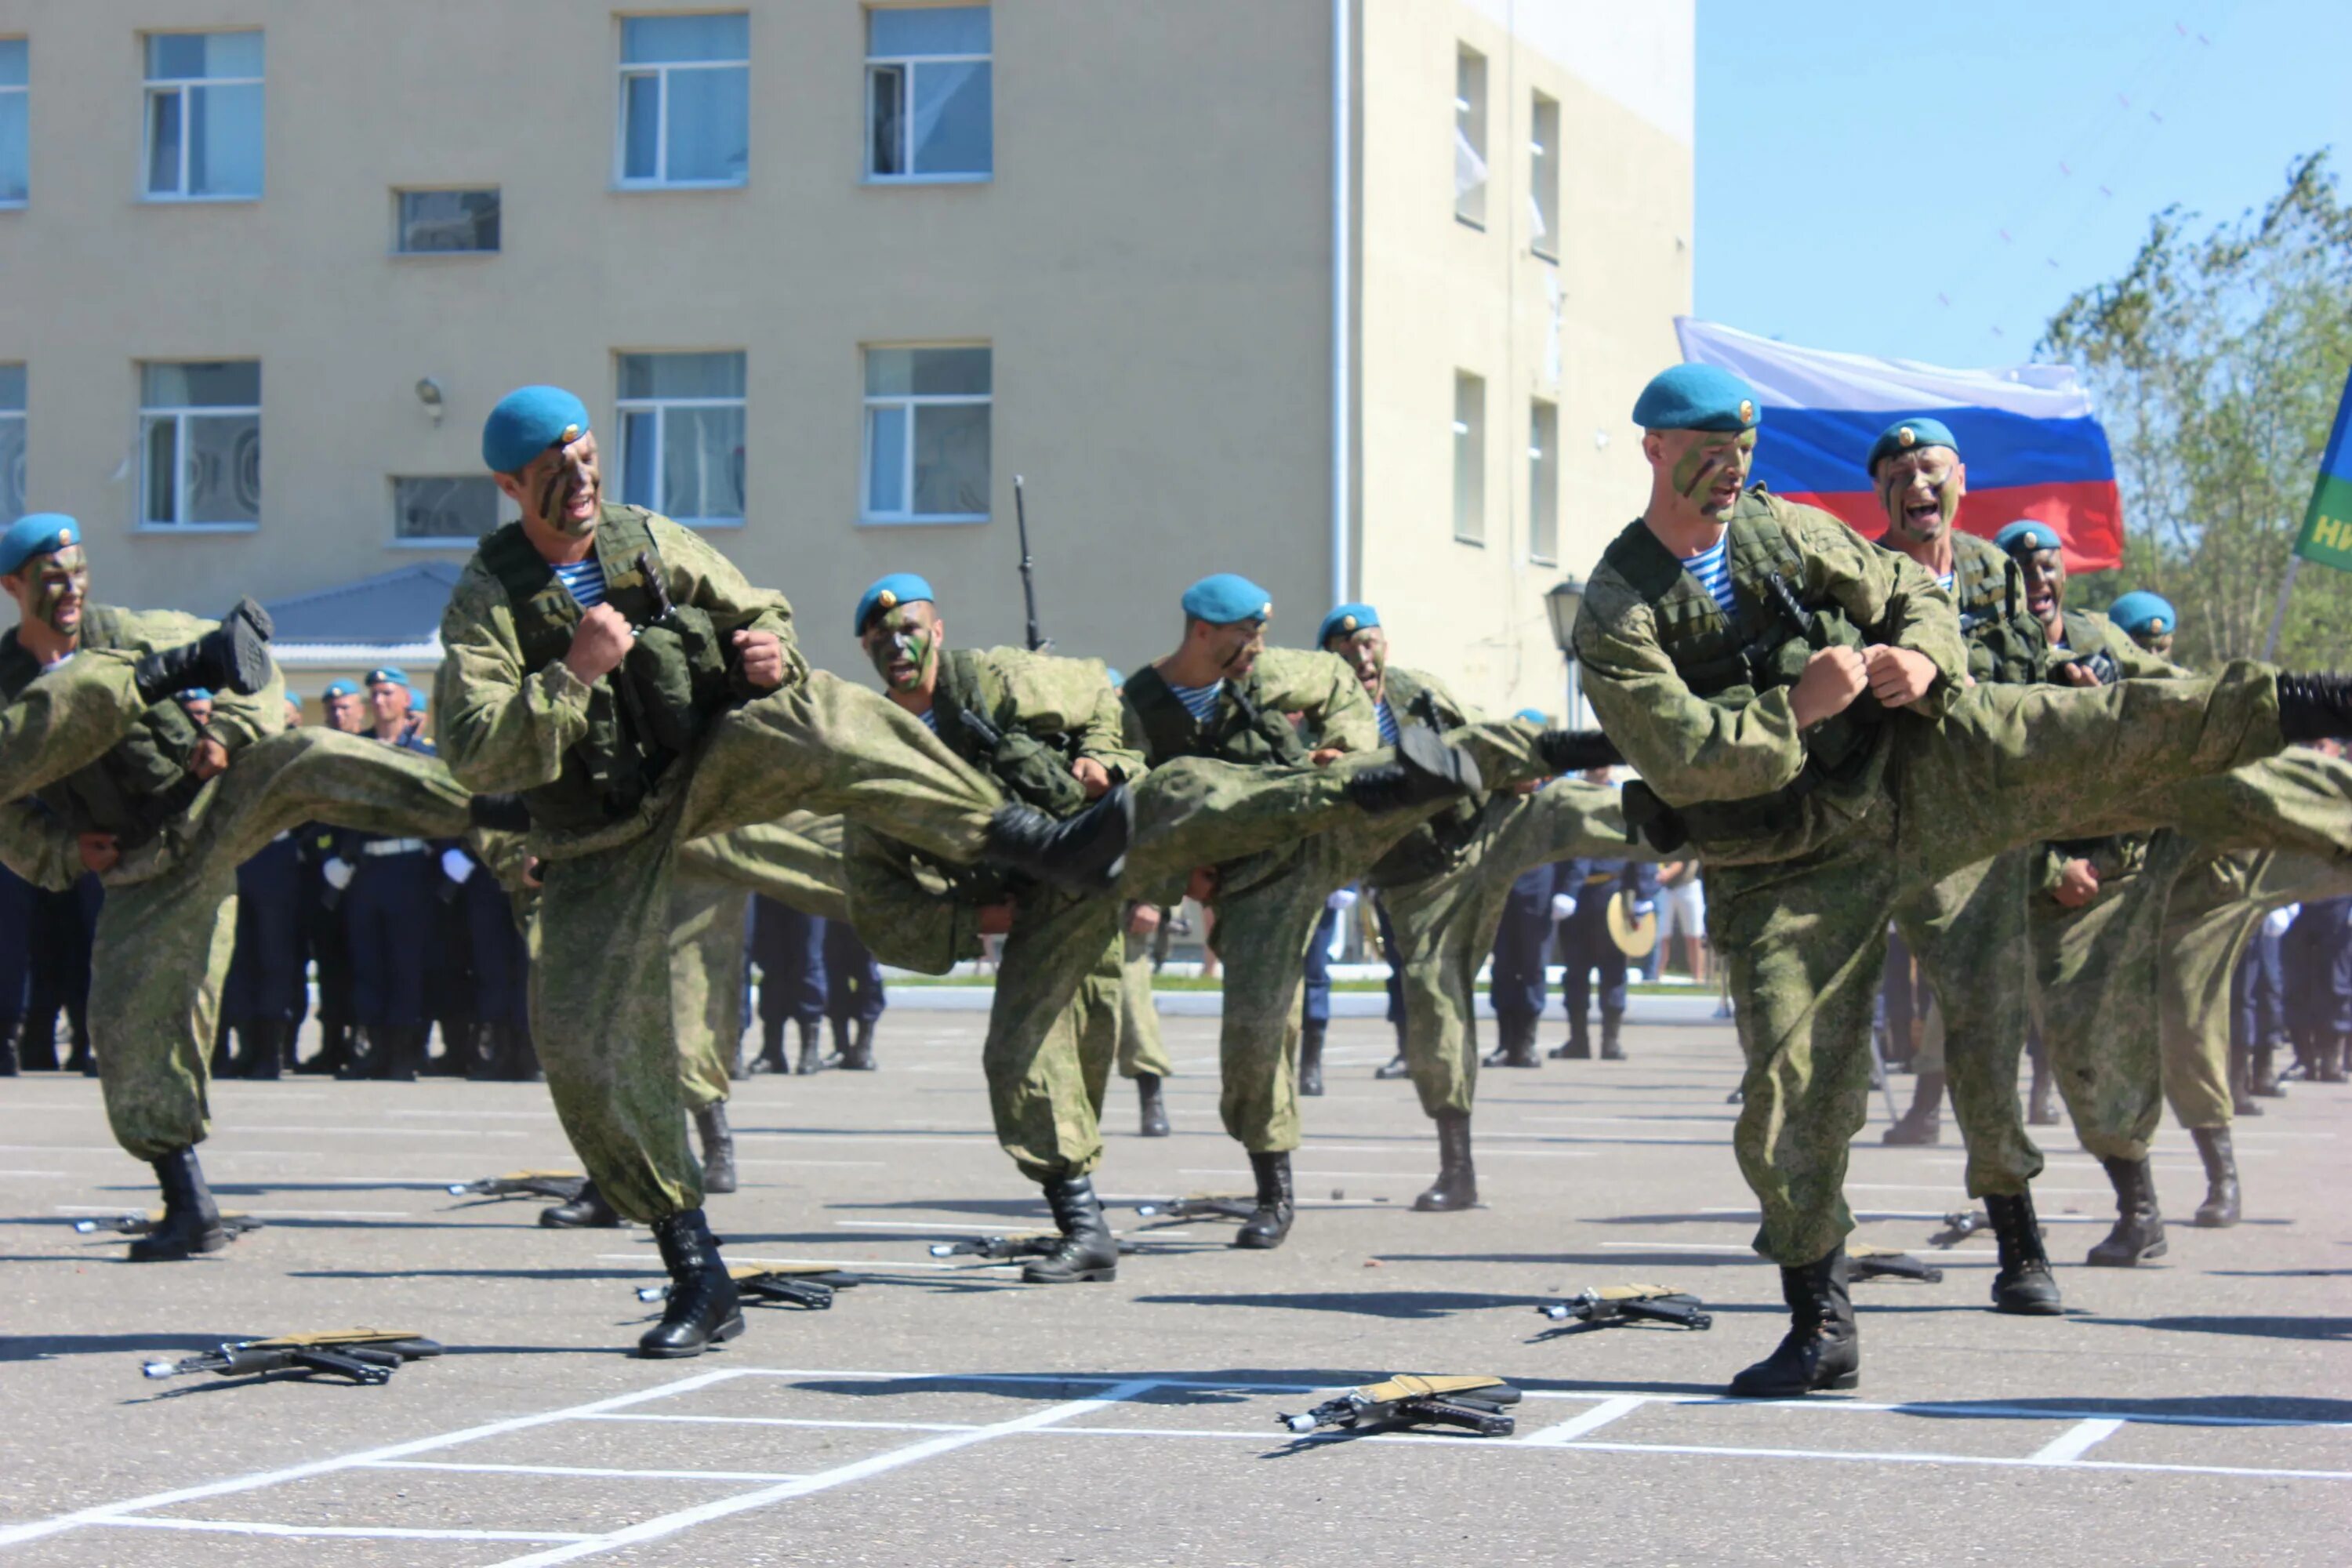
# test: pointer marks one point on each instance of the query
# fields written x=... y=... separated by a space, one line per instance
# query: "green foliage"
x=2217 y=359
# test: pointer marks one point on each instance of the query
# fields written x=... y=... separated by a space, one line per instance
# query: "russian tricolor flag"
x=2026 y=433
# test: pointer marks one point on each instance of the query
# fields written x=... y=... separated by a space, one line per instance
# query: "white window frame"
x=179 y=415
x=16 y=417
x=10 y=203
x=910 y=401
x=1543 y=176
x=508 y=512
x=1471 y=124
x=399 y=231
x=907 y=121
x=658 y=408
x=1541 y=495
x=663 y=70
x=179 y=86
x=1470 y=504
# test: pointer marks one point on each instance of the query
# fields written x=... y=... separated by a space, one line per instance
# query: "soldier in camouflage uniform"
x=1795 y=701
x=1445 y=884
x=1051 y=729
x=618 y=671
x=165 y=817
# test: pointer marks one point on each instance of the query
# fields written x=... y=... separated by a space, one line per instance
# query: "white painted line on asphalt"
x=1924 y=1459
x=347 y=1532
x=858 y=1164
x=377 y=1132
x=2077 y=1440
x=258 y=1214
x=582 y=1471
x=1918 y=1215
x=685 y=1518
x=1243 y=1176
x=653 y=1262
x=32 y=1173
x=1591 y=1420
x=918 y=1225
x=794 y=1421
x=886 y=1139
x=468 y=1115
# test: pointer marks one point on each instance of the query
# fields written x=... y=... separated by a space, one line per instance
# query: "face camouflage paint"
x=903 y=656
x=60 y=587
x=1899 y=491
x=1698 y=470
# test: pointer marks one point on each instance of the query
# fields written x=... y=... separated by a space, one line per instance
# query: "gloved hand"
x=1563 y=906
x=2278 y=920
x=1345 y=899
x=338 y=872
x=456 y=865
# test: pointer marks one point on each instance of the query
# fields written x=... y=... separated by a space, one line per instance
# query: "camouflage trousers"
x=1141 y=1051
x=66 y=719
x=1054 y=1032
x=1803 y=938
x=1445 y=924
x=1969 y=932
x=169 y=924
x=601 y=1010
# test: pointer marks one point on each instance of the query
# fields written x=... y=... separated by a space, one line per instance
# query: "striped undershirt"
x=1199 y=700
x=585 y=580
x=930 y=717
x=1388 y=721
x=1713 y=570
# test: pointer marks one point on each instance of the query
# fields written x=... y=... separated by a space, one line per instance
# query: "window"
x=1543 y=483
x=927 y=435
x=204 y=116
x=1543 y=178
x=929 y=107
x=1469 y=458
x=11 y=442
x=686 y=100
x=200 y=430
x=682 y=437
x=14 y=60
x=429 y=223
x=447 y=510
x=1470 y=137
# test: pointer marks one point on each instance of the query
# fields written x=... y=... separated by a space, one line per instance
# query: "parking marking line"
x=581 y=1470
x=360 y=1531
x=2077 y=1440
x=258 y=1214
x=1910 y=1458
x=653 y=1263
x=1591 y=1420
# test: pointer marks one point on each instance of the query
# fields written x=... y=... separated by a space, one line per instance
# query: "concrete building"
x=831 y=275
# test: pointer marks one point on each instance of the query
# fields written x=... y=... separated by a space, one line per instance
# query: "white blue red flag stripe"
x=2026 y=433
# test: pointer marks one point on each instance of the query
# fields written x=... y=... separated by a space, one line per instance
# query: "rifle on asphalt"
x=1615 y=1306
x=1473 y=1404
x=361 y=1356
x=563 y=1186
x=234 y=1223
x=806 y=1285
x=1202 y=1205
x=1006 y=1248
x=1959 y=1226
x=1864 y=1261
x=1038 y=641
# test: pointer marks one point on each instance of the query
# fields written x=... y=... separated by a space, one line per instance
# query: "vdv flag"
x=2026 y=435
x=2328 y=522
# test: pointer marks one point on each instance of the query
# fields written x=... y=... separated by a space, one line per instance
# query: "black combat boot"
x=2024 y=1285
x=1277 y=1208
x=264 y=1047
x=1574 y=751
x=522 y=1055
x=1823 y=1349
x=588 y=1211
x=191 y=1224
x=2314 y=707
x=718 y=1147
x=1517 y=1047
x=857 y=1056
x=233 y=657
x=2333 y=1050
x=2242 y=1082
x=1426 y=769
x=334 y=1046
x=1612 y=1036
x=1083 y=854
x=1088 y=1250
x=26 y=1050
x=404 y=1052
x=840 y=1042
x=500 y=813
x=1578 y=1046
x=224 y=1048
x=2219 y=1209
x=2138 y=1234
x=1310 y=1057
x=455 y=1054
x=1924 y=1123
x=1457 y=1186
x=365 y=1051
x=704 y=1308
x=771 y=1049
x=2263 y=1077
x=1153 y=1103
x=811 y=1048
x=84 y=1060
x=8 y=1048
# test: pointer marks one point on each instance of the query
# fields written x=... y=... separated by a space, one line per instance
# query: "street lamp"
x=1561 y=603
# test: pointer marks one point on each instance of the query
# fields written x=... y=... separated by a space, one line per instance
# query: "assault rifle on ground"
x=1202 y=1205
x=236 y=1223
x=1959 y=1226
x=1864 y=1261
x=1005 y=1249
x=806 y=1285
x=362 y=1355
x=562 y=1185
x=1613 y=1306
x=1474 y=1404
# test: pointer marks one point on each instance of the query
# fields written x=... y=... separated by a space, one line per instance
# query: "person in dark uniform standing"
x=345 y=708
x=64 y=930
x=1580 y=902
x=16 y=969
x=388 y=916
x=853 y=997
x=789 y=947
x=264 y=999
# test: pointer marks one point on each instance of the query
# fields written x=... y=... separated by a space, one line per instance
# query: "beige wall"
x=1439 y=294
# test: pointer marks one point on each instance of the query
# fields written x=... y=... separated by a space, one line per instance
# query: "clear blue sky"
x=1857 y=162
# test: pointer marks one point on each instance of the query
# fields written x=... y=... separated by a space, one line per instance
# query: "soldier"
x=15 y=952
x=789 y=947
x=1727 y=641
x=388 y=905
x=2317 y=952
x=264 y=998
x=345 y=706
x=1587 y=946
x=853 y=997
x=617 y=669
x=2149 y=619
x=165 y=818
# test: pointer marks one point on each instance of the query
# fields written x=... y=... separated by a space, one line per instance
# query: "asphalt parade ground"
x=2191 y=1412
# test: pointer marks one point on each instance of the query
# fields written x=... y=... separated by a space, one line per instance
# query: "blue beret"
x=2141 y=611
x=1225 y=599
x=36 y=533
x=1905 y=435
x=526 y=421
x=193 y=694
x=391 y=673
x=1533 y=715
x=2026 y=535
x=888 y=594
x=415 y=700
x=1346 y=620
x=339 y=689
x=294 y=699
x=1696 y=397
x=1115 y=674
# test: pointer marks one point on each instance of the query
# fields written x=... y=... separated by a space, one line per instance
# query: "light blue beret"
x=888 y=594
x=339 y=689
x=1696 y=397
x=36 y=533
x=415 y=700
x=1908 y=435
x=1226 y=599
x=2141 y=611
x=1346 y=620
x=193 y=694
x=391 y=673
x=1533 y=715
x=1115 y=674
x=2025 y=536
x=526 y=421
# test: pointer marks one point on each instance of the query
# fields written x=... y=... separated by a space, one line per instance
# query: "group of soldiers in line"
x=1845 y=733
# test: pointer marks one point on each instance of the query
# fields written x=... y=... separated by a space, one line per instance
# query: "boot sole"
x=1259 y=1244
x=1842 y=1383
x=1153 y=1133
x=1083 y=1277
x=720 y=1187
x=2096 y=1262
x=719 y=1336
x=213 y=1241
x=1444 y=1206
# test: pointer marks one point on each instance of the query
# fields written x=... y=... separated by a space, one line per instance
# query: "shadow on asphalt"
x=1613 y=1260
x=2213 y=1406
x=2337 y=1330
x=1412 y=1305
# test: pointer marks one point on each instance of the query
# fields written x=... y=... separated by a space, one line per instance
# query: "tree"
x=2217 y=359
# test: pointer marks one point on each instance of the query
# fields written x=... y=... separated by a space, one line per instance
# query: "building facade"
x=830 y=276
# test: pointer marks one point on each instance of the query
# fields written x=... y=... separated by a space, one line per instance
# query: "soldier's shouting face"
x=51 y=589
x=1921 y=491
x=1234 y=646
x=560 y=489
x=2045 y=587
x=1367 y=653
x=1706 y=469
x=903 y=643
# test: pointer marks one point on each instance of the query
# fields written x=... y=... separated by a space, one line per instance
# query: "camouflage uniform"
x=1813 y=839
x=513 y=716
x=1141 y=1051
x=60 y=720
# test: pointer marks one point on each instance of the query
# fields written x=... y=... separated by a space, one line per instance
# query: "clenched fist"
x=1898 y=677
x=1833 y=678
x=600 y=644
x=763 y=654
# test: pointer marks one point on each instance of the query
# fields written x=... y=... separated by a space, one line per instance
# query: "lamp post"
x=1561 y=603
